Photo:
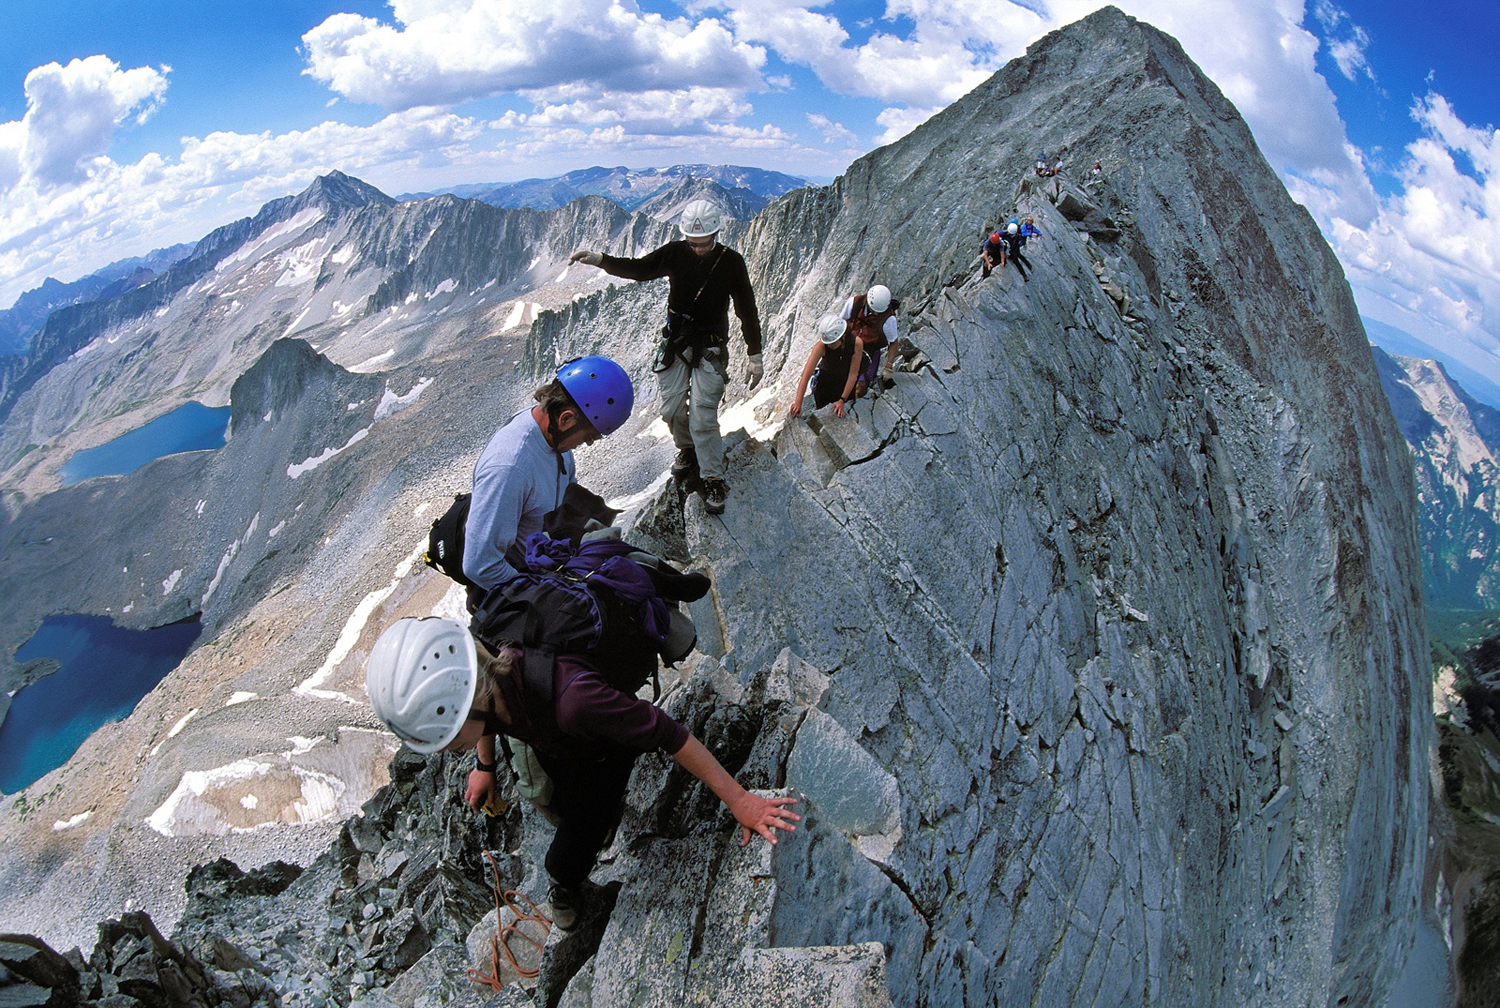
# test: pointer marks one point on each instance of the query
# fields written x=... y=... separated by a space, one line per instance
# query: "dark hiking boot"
x=685 y=464
x=715 y=492
x=565 y=902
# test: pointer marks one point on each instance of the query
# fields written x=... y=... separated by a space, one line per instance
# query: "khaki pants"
x=690 y=400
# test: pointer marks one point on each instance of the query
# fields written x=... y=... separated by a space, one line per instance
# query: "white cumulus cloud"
x=830 y=131
x=72 y=113
x=685 y=110
x=951 y=46
x=445 y=52
x=1430 y=260
x=1347 y=41
x=899 y=121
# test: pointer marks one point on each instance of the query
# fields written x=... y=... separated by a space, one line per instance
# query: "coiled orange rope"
x=500 y=944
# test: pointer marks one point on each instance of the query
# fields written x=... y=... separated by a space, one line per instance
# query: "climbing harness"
x=681 y=336
x=500 y=944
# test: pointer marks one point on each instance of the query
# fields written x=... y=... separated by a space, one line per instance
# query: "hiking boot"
x=565 y=902
x=715 y=492
x=685 y=464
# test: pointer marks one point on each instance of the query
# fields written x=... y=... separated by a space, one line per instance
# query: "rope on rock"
x=500 y=944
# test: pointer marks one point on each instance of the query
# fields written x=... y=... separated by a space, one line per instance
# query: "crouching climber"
x=872 y=315
x=991 y=253
x=834 y=367
x=527 y=466
x=441 y=690
x=1014 y=241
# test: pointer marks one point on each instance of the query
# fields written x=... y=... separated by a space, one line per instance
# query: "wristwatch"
x=482 y=766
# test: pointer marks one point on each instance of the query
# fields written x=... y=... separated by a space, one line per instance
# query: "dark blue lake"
x=190 y=427
x=105 y=671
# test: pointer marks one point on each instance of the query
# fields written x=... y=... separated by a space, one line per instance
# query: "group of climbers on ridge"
x=440 y=685
x=1044 y=169
x=443 y=686
x=1004 y=245
x=847 y=359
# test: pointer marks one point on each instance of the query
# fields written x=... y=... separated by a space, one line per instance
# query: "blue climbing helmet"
x=602 y=390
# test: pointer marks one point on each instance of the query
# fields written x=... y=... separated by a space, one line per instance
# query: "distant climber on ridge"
x=527 y=465
x=833 y=366
x=1013 y=241
x=441 y=690
x=872 y=316
x=693 y=361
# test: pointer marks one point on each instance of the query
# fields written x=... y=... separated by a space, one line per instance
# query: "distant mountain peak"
x=338 y=189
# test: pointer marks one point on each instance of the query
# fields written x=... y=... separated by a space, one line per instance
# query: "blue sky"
x=126 y=127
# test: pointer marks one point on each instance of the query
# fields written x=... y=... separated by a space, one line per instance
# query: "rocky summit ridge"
x=1093 y=648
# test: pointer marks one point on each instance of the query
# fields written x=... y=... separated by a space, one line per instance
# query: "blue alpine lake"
x=105 y=671
x=190 y=427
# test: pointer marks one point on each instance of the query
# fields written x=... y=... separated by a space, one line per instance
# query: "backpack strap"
x=538 y=678
x=503 y=619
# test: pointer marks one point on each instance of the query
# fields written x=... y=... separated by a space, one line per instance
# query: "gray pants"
x=690 y=400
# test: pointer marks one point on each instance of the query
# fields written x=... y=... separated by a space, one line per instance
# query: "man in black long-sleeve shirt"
x=693 y=366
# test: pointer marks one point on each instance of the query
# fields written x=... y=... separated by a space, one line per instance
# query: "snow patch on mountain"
x=254 y=249
x=229 y=799
x=309 y=464
x=391 y=403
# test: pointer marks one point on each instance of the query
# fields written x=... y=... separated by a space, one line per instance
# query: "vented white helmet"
x=700 y=218
x=879 y=298
x=830 y=328
x=1012 y=228
x=421 y=679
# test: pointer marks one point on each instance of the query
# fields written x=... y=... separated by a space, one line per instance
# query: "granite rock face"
x=1093 y=647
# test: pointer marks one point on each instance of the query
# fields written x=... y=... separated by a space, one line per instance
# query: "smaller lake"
x=190 y=427
x=105 y=671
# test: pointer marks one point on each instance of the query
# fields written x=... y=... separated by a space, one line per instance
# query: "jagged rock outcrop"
x=1094 y=647
x=1127 y=581
x=1454 y=439
x=632 y=189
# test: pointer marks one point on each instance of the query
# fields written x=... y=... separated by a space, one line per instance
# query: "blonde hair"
x=492 y=669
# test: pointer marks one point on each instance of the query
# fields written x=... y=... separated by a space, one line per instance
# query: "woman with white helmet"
x=873 y=316
x=833 y=367
x=439 y=690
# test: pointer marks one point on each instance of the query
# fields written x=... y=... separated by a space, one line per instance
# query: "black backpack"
x=445 y=541
x=547 y=612
x=545 y=617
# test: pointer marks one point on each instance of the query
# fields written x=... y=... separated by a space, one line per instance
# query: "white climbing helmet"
x=699 y=219
x=879 y=298
x=830 y=328
x=1012 y=227
x=421 y=679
